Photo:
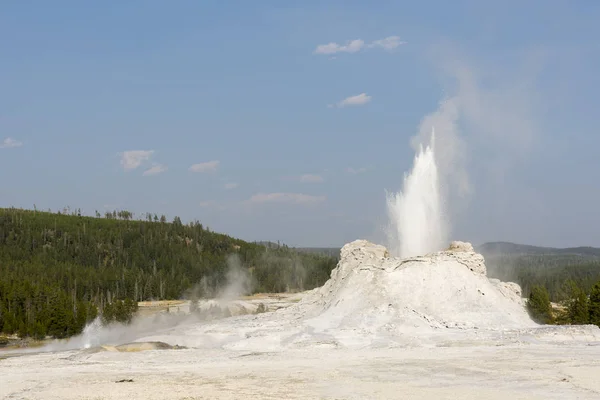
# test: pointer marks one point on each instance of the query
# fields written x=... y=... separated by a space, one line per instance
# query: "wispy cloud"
x=311 y=178
x=353 y=46
x=231 y=185
x=155 y=170
x=292 y=198
x=358 y=100
x=388 y=43
x=209 y=166
x=132 y=159
x=10 y=142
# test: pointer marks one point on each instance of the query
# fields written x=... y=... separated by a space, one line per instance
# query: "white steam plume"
x=416 y=215
x=238 y=283
x=486 y=128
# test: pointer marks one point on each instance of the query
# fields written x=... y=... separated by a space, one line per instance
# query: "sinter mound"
x=372 y=292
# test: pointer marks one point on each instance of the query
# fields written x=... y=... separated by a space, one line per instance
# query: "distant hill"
x=326 y=251
x=546 y=266
x=333 y=252
x=507 y=248
x=269 y=245
x=490 y=249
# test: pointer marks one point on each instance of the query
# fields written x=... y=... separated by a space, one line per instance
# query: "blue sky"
x=231 y=113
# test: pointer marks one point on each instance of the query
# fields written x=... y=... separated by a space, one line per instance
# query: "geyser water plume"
x=416 y=218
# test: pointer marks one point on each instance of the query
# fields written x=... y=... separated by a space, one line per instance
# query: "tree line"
x=554 y=272
x=58 y=271
x=561 y=286
x=579 y=308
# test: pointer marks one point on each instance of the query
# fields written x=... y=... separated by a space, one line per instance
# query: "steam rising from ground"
x=238 y=283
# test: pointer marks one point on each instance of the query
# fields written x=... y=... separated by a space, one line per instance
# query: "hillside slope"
x=56 y=269
x=545 y=266
x=521 y=249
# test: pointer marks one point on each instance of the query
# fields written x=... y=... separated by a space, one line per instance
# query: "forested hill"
x=543 y=266
x=495 y=248
x=326 y=251
x=57 y=270
x=329 y=251
x=508 y=248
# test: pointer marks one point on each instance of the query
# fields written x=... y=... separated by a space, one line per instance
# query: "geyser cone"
x=373 y=293
x=417 y=226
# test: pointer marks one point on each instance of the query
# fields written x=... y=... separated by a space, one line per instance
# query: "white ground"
x=427 y=328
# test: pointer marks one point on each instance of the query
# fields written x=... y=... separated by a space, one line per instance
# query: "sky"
x=288 y=121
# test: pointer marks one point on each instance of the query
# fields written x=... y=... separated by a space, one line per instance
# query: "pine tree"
x=577 y=305
x=594 y=307
x=22 y=329
x=130 y=308
x=39 y=331
x=108 y=314
x=539 y=305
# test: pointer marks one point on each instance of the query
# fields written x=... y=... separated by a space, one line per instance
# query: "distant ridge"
x=489 y=249
x=508 y=248
x=327 y=251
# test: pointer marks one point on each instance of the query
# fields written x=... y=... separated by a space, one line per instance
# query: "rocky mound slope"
x=372 y=292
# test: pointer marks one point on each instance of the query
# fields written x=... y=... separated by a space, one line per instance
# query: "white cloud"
x=353 y=46
x=331 y=48
x=155 y=170
x=311 y=178
x=10 y=142
x=292 y=198
x=388 y=43
x=358 y=100
x=132 y=159
x=209 y=166
x=231 y=185
x=355 y=171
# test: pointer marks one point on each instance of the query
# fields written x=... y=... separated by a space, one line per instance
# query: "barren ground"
x=513 y=371
x=547 y=363
x=425 y=328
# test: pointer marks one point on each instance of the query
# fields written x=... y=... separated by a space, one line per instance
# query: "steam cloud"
x=482 y=129
x=237 y=283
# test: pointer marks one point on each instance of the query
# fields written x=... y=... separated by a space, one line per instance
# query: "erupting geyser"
x=416 y=218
